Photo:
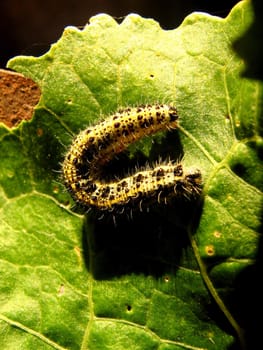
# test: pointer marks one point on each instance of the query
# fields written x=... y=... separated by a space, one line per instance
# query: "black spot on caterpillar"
x=98 y=144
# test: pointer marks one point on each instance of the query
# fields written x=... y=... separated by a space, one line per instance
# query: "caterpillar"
x=94 y=147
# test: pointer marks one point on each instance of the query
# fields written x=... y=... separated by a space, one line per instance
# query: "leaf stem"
x=239 y=331
x=34 y=333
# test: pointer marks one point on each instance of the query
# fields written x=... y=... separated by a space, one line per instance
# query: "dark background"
x=28 y=27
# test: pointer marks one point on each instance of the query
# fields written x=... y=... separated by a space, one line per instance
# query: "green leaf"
x=162 y=280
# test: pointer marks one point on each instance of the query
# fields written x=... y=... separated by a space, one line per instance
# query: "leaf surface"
x=70 y=281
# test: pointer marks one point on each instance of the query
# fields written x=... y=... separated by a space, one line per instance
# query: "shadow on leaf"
x=149 y=242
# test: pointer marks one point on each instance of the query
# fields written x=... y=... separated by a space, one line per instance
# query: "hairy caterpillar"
x=98 y=144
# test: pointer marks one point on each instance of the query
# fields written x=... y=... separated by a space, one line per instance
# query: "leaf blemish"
x=217 y=234
x=210 y=250
x=61 y=290
x=166 y=279
x=129 y=308
x=40 y=132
